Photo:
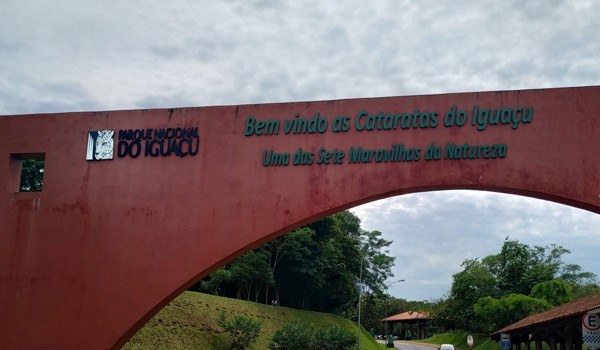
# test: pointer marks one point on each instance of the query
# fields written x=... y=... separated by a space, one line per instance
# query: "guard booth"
x=409 y=325
x=560 y=327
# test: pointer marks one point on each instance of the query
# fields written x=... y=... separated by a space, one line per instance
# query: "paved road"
x=413 y=346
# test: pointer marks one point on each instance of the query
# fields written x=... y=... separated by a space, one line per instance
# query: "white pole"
x=359 y=296
x=387 y=286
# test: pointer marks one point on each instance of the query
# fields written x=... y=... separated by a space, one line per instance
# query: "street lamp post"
x=387 y=286
x=359 y=296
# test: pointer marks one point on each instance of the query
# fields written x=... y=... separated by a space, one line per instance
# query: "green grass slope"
x=190 y=322
x=459 y=340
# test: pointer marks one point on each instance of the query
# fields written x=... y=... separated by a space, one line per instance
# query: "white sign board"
x=470 y=340
x=590 y=329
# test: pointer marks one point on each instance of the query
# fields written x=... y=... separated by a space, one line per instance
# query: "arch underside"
x=269 y=237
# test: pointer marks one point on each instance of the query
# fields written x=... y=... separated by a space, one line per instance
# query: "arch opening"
x=505 y=213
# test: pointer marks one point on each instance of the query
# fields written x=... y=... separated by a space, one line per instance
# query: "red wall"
x=106 y=244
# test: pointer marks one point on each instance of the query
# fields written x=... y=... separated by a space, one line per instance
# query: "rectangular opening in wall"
x=30 y=170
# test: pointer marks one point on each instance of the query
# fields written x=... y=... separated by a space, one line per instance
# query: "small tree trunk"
x=256 y=293
x=248 y=291
x=267 y=295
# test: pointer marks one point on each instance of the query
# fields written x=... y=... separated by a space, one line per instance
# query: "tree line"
x=315 y=267
x=318 y=267
x=501 y=289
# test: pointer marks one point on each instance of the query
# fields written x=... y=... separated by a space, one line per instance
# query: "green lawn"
x=190 y=322
x=459 y=340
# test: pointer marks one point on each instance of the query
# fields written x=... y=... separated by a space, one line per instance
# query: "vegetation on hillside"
x=191 y=321
x=317 y=267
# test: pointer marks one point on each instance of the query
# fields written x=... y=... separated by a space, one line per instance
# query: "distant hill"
x=190 y=322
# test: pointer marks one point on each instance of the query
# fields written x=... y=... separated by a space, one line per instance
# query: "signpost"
x=505 y=341
x=470 y=340
x=590 y=329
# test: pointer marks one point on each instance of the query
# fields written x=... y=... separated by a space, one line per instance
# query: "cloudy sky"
x=60 y=56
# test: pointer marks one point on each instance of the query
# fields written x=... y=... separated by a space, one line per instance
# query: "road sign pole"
x=590 y=330
x=505 y=341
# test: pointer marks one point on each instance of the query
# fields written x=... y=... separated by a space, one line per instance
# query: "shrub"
x=297 y=335
x=242 y=330
x=335 y=338
x=294 y=335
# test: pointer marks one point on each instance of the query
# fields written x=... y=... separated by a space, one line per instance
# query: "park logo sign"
x=131 y=143
x=100 y=145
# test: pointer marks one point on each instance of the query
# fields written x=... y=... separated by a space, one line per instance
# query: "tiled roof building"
x=414 y=324
x=560 y=325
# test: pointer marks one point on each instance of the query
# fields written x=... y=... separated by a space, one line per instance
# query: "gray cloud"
x=435 y=232
x=263 y=51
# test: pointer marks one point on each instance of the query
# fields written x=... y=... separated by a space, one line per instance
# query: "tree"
x=293 y=246
x=439 y=311
x=375 y=267
x=555 y=292
x=512 y=263
x=326 y=278
x=580 y=291
x=213 y=284
x=493 y=314
x=544 y=265
x=377 y=264
x=32 y=175
x=298 y=272
x=251 y=272
x=505 y=287
x=315 y=267
x=474 y=282
x=519 y=267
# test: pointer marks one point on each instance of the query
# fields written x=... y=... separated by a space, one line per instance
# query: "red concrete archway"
x=107 y=243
